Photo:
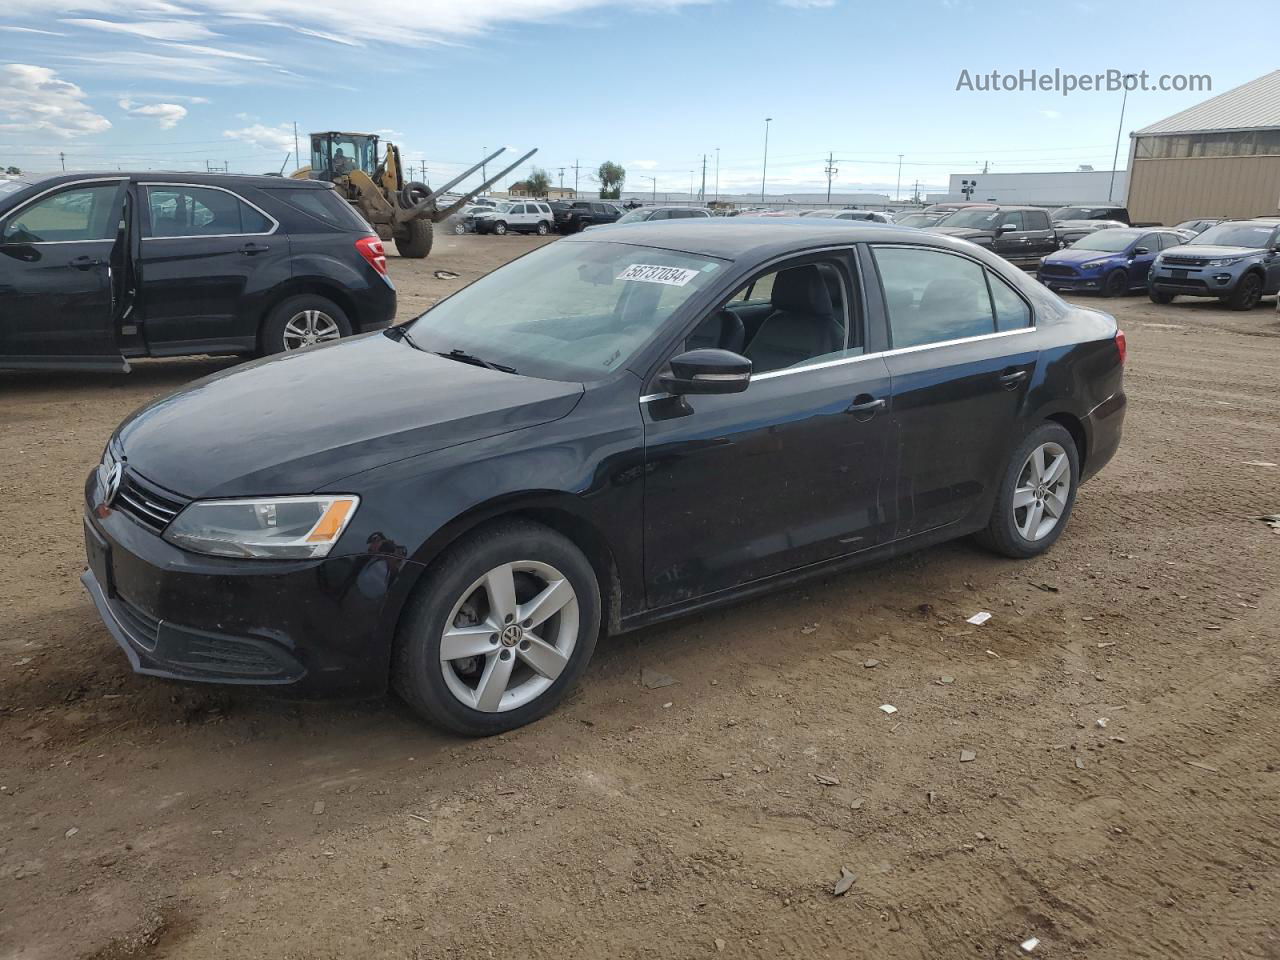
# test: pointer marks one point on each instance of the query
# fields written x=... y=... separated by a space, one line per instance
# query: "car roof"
x=756 y=238
x=184 y=176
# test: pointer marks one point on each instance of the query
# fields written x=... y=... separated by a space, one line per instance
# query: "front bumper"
x=318 y=627
x=1085 y=282
x=1194 y=281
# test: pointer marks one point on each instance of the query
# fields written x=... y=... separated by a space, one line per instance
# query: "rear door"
x=960 y=370
x=56 y=277
x=203 y=248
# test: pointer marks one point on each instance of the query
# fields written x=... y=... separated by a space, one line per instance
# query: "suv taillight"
x=371 y=249
x=1122 y=345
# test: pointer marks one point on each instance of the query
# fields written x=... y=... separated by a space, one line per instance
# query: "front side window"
x=89 y=212
x=933 y=297
x=179 y=211
x=1012 y=220
x=576 y=310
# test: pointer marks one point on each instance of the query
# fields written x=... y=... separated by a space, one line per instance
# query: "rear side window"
x=1036 y=219
x=932 y=297
x=89 y=212
x=1012 y=312
x=180 y=211
x=325 y=205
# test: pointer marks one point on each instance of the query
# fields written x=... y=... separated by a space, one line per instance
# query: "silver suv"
x=1237 y=261
x=518 y=216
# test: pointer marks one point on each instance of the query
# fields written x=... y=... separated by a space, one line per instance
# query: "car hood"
x=297 y=422
x=1081 y=256
x=1212 y=252
x=964 y=233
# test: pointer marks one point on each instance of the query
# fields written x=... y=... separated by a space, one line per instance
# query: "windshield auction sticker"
x=652 y=273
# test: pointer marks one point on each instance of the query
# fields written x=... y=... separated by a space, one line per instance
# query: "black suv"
x=574 y=215
x=98 y=268
x=1021 y=235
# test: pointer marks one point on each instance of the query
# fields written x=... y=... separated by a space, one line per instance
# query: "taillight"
x=371 y=249
x=1122 y=345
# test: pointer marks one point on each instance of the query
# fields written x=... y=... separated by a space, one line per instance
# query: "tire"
x=459 y=229
x=1247 y=294
x=449 y=693
x=1160 y=296
x=1007 y=530
x=1116 y=284
x=543 y=229
x=582 y=225
x=500 y=228
x=412 y=194
x=301 y=321
x=415 y=240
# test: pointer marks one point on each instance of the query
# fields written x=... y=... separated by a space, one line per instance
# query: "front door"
x=960 y=373
x=202 y=247
x=56 y=256
x=743 y=486
x=1140 y=263
x=1013 y=242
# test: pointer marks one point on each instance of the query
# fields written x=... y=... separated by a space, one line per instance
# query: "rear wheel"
x=303 y=321
x=500 y=228
x=1247 y=293
x=414 y=239
x=1116 y=284
x=499 y=631
x=1036 y=494
x=1160 y=296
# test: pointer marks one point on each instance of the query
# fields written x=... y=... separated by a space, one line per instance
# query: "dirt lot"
x=711 y=817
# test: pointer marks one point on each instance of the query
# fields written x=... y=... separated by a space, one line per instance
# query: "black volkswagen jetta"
x=96 y=269
x=616 y=429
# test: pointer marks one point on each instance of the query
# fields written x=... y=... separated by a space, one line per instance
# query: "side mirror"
x=1139 y=251
x=1007 y=226
x=707 y=371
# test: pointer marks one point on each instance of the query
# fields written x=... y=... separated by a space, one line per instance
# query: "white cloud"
x=47 y=33
x=807 y=4
x=218 y=52
x=167 y=115
x=1050 y=114
x=34 y=98
x=149 y=29
x=269 y=138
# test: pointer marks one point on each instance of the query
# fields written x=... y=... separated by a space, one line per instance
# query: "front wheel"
x=1160 y=296
x=303 y=321
x=1247 y=293
x=500 y=228
x=414 y=239
x=459 y=229
x=1036 y=494
x=501 y=628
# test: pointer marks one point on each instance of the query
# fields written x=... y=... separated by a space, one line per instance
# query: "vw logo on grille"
x=111 y=485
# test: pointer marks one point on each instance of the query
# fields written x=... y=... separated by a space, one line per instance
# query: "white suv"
x=519 y=216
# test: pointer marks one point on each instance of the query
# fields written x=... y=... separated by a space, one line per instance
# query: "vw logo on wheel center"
x=512 y=635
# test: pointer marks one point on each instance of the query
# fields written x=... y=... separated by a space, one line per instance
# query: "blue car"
x=1109 y=262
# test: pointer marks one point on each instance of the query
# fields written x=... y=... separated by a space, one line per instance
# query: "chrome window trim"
x=44 y=193
x=840 y=361
x=275 y=224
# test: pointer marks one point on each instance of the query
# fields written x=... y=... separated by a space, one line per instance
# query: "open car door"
x=61 y=255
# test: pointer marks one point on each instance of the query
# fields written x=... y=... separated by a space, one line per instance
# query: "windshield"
x=978 y=219
x=1254 y=235
x=916 y=220
x=1108 y=241
x=574 y=310
x=635 y=216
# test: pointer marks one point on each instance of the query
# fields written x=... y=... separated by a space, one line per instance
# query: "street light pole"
x=764 y=169
x=654 y=181
x=717 y=174
x=1115 y=157
x=897 y=191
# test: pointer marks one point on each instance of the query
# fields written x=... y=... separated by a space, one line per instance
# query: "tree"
x=539 y=182
x=13 y=171
x=611 y=177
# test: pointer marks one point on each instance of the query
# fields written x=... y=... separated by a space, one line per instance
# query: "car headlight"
x=1093 y=264
x=1225 y=261
x=278 y=528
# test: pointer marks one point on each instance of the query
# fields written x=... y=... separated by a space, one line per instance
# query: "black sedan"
x=99 y=268
x=616 y=429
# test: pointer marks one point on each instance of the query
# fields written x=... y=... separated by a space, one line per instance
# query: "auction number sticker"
x=652 y=273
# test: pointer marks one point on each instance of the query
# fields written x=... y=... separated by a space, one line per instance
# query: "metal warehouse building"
x=1220 y=158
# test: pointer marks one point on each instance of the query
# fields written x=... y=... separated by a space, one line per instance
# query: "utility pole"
x=63 y=157
x=484 y=173
x=424 y=171
x=915 y=194
x=562 y=181
x=575 y=168
x=897 y=192
x=702 y=194
x=830 y=171
x=296 y=161
x=717 y=174
x=764 y=167
x=691 y=194
x=1115 y=157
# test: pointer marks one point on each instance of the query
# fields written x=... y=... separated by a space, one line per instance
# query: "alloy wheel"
x=1040 y=496
x=509 y=636
x=308 y=327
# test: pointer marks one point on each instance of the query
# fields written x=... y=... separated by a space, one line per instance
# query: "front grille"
x=1186 y=261
x=142 y=628
x=1057 y=270
x=146 y=503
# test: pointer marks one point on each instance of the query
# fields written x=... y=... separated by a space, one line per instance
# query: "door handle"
x=865 y=403
x=1012 y=378
x=84 y=263
x=252 y=248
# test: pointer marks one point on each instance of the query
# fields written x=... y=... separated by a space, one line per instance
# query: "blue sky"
x=651 y=84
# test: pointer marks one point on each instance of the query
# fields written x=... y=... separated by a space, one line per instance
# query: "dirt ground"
x=710 y=817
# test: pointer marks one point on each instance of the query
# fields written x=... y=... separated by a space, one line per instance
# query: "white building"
x=1054 y=189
